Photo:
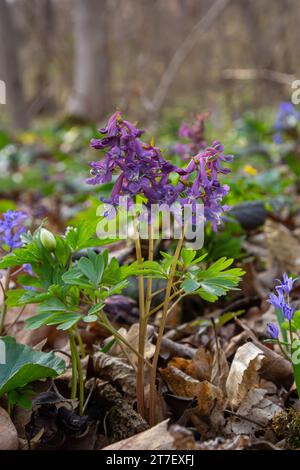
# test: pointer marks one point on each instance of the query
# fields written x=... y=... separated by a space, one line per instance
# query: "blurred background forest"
x=84 y=58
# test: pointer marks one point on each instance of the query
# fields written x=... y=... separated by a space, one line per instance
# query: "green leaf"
x=228 y=316
x=96 y=308
x=53 y=305
x=296 y=319
x=90 y=318
x=25 y=365
x=296 y=363
x=64 y=318
x=38 y=320
x=18 y=397
x=29 y=254
x=187 y=256
x=190 y=285
x=87 y=268
x=62 y=251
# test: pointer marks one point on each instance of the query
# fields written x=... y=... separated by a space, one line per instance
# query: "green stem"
x=81 y=381
x=103 y=320
x=163 y=289
x=152 y=395
x=171 y=297
x=4 y=305
x=141 y=346
x=283 y=351
x=74 y=366
x=291 y=333
x=80 y=344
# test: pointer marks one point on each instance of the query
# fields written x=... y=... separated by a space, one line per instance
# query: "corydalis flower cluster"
x=280 y=301
x=195 y=135
x=11 y=228
x=144 y=171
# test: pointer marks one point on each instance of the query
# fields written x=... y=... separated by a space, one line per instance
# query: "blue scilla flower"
x=11 y=228
x=272 y=330
x=286 y=285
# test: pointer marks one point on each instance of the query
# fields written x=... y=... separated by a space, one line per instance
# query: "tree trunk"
x=10 y=68
x=90 y=98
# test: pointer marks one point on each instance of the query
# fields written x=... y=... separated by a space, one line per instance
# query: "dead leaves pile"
x=222 y=400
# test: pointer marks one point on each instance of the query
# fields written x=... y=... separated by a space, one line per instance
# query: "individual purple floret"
x=11 y=228
x=272 y=330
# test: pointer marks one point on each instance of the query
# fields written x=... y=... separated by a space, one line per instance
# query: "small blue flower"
x=272 y=330
x=276 y=300
x=11 y=228
x=286 y=285
x=288 y=312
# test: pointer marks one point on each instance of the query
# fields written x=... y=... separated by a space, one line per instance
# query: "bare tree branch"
x=190 y=41
x=259 y=74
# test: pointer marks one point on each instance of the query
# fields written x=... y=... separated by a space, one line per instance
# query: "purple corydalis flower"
x=11 y=228
x=206 y=185
x=195 y=134
x=144 y=171
x=272 y=330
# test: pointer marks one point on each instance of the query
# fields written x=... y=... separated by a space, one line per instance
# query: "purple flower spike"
x=11 y=228
x=142 y=170
x=272 y=330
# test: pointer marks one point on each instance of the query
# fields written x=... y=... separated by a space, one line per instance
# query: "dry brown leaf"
x=283 y=246
x=243 y=374
x=185 y=365
x=156 y=438
x=179 y=382
x=116 y=370
x=208 y=397
x=275 y=368
x=203 y=364
x=257 y=408
x=220 y=370
x=8 y=434
x=132 y=337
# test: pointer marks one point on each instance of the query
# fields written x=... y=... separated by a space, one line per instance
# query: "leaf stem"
x=74 y=365
x=4 y=305
x=141 y=346
x=152 y=396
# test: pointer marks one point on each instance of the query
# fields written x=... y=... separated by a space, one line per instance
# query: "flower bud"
x=47 y=239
